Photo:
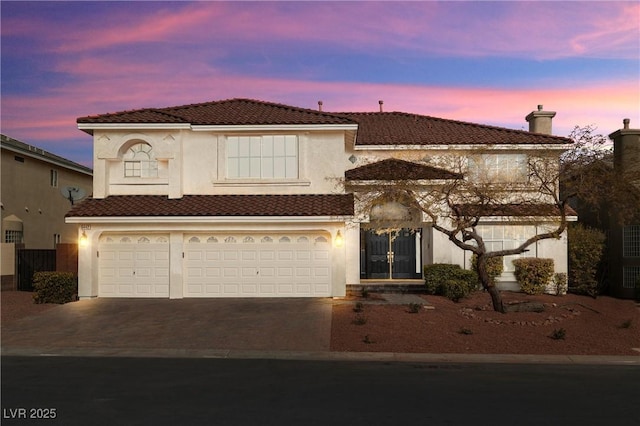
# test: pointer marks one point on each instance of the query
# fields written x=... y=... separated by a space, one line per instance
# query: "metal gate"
x=30 y=261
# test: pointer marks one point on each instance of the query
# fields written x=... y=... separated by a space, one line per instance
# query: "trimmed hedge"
x=55 y=287
x=451 y=281
x=533 y=274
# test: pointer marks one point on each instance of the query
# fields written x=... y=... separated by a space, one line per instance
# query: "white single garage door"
x=257 y=265
x=133 y=265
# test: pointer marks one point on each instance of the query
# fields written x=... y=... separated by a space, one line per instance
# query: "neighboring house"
x=624 y=241
x=240 y=198
x=37 y=189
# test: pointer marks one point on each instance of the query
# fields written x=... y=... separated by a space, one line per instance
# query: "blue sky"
x=484 y=62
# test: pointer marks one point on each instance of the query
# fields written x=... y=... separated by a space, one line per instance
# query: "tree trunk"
x=488 y=284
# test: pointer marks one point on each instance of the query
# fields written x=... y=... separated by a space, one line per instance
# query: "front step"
x=400 y=288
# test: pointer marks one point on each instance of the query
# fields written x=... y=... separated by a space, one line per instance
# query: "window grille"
x=630 y=274
x=631 y=241
x=13 y=236
x=262 y=157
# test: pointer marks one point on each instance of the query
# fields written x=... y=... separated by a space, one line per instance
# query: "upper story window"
x=140 y=161
x=262 y=157
x=53 y=178
x=499 y=167
x=631 y=241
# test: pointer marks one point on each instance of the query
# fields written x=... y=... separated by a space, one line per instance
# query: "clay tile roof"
x=394 y=169
x=399 y=128
x=514 y=210
x=216 y=205
x=225 y=112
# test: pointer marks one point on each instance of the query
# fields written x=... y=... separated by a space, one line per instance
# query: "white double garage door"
x=217 y=265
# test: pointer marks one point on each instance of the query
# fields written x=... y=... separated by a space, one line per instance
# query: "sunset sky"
x=483 y=62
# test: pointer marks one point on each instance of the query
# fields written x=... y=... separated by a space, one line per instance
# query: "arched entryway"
x=390 y=244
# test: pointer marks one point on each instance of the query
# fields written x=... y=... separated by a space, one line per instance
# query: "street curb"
x=326 y=356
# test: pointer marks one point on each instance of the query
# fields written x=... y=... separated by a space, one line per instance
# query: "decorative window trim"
x=140 y=162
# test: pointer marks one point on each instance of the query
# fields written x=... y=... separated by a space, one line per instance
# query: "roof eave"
x=203 y=219
x=464 y=147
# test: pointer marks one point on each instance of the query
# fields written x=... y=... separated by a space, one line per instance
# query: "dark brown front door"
x=389 y=255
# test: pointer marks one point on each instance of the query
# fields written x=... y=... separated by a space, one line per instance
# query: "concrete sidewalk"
x=294 y=329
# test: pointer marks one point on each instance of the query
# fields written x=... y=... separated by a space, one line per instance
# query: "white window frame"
x=264 y=157
x=504 y=237
x=12 y=236
x=53 y=178
x=499 y=167
x=140 y=162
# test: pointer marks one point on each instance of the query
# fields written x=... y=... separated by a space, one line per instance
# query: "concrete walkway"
x=294 y=329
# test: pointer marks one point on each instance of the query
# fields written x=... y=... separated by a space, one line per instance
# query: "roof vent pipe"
x=380 y=103
x=319 y=105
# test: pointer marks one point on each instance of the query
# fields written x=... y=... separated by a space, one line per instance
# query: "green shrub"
x=533 y=274
x=560 y=283
x=55 y=287
x=455 y=289
x=586 y=246
x=495 y=266
x=450 y=280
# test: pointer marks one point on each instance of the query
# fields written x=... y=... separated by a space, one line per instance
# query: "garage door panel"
x=256 y=265
x=133 y=266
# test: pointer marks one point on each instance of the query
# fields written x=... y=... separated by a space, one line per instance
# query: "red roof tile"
x=216 y=205
x=394 y=169
x=375 y=128
x=399 y=128
x=225 y=112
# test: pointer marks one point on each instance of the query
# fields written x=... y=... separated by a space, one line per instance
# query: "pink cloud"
x=540 y=30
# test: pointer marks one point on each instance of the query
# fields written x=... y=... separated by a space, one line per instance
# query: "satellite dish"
x=73 y=193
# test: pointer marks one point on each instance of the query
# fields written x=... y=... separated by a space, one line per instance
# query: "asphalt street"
x=199 y=391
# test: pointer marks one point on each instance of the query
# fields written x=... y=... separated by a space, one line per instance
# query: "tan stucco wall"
x=27 y=193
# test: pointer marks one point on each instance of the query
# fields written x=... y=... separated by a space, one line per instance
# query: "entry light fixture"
x=339 y=240
x=84 y=239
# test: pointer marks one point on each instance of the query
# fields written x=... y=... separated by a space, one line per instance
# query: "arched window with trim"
x=140 y=161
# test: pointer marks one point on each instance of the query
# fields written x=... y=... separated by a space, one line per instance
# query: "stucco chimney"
x=540 y=121
x=380 y=103
x=319 y=105
x=626 y=151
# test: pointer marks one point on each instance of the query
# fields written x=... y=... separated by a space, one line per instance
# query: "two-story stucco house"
x=238 y=198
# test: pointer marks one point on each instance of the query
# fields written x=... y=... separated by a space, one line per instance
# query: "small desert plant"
x=360 y=319
x=367 y=339
x=465 y=331
x=364 y=292
x=533 y=274
x=558 y=334
x=359 y=307
x=626 y=324
x=414 y=308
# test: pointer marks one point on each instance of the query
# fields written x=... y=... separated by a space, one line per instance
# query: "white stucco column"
x=352 y=252
x=87 y=263
x=176 y=279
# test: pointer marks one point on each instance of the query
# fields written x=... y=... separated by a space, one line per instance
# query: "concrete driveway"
x=111 y=325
